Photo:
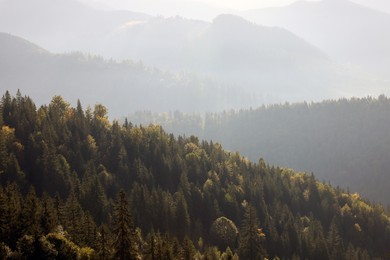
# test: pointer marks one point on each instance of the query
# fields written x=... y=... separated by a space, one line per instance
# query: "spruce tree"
x=251 y=236
x=103 y=244
x=123 y=229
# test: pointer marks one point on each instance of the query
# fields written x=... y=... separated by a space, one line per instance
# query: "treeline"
x=346 y=141
x=76 y=186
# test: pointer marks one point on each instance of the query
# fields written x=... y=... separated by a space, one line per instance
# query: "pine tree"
x=49 y=218
x=31 y=214
x=4 y=225
x=103 y=244
x=251 y=236
x=188 y=249
x=182 y=216
x=335 y=243
x=13 y=213
x=74 y=216
x=152 y=250
x=123 y=229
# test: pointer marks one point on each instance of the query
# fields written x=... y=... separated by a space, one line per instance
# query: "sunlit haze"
x=196 y=9
x=207 y=9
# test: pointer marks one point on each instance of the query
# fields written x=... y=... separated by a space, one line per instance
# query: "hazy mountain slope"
x=345 y=142
x=343 y=29
x=124 y=87
x=270 y=62
x=158 y=41
x=61 y=25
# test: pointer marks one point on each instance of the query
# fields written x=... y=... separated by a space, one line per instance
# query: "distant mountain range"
x=344 y=30
x=271 y=64
x=123 y=87
x=259 y=59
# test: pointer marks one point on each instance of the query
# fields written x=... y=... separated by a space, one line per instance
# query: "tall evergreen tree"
x=251 y=236
x=123 y=229
x=4 y=225
x=182 y=216
x=31 y=214
x=335 y=243
x=103 y=244
x=49 y=219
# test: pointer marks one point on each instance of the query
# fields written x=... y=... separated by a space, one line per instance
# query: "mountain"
x=342 y=141
x=269 y=62
x=61 y=25
x=124 y=86
x=344 y=30
x=75 y=186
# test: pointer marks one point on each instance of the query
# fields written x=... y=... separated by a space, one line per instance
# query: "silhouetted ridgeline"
x=74 y=185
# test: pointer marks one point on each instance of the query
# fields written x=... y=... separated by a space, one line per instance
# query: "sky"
x=200 y=8
x=223 y=4
x=194 y=9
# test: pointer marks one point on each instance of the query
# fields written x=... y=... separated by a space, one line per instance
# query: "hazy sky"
x=204 y=8
x=195 y=9
x=223 y=4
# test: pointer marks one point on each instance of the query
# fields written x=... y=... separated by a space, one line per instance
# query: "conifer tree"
x=49 y=218
x=1 y=115
x=123 y=229
x=4 y=225
x=182 y=216
x=103 y=244
x=188 y=249
x=251 y=236
x=335 y=243
x=31 y=214
x=74 y=216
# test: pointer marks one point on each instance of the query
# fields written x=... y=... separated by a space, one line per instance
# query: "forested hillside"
x=74 y=185
x=346 y=141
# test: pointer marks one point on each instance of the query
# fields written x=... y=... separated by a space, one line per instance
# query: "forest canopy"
x=75 y=185
x=345 y=141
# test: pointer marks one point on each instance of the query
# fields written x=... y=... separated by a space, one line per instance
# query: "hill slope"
x=345 y=142
x=61 y=168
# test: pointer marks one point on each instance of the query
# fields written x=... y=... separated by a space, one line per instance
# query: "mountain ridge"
x=335 y=27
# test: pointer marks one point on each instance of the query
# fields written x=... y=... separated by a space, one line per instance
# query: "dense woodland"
x=345 y=141
x=76 y=186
